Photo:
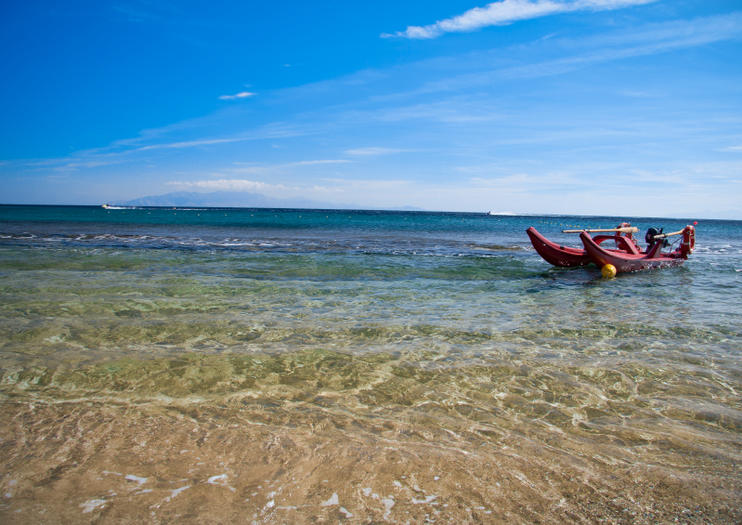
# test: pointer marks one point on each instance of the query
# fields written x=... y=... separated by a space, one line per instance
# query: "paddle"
x=663 y=235
x=625 y=229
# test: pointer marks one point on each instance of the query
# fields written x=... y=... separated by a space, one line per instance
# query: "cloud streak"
x=340 y=190
x=229 y=185
x=237 y=96
x=506 y=12
x=192 y=143
x=373 y=151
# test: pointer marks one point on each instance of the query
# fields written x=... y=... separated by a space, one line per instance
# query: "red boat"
x=652 y=258
x=558 y=255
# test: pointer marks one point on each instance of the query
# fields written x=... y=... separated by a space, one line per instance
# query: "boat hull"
x=569 y=257
x=625 y=262
x=555 y=254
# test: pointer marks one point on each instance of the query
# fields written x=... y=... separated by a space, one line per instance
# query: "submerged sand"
x=368 y=444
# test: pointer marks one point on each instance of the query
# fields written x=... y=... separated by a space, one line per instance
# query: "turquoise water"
x=98 y=284
x=446 y=319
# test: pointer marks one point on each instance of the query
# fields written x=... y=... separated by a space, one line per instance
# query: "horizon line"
x=400 y=209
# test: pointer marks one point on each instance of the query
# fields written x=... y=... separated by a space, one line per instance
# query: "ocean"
x=232 y=365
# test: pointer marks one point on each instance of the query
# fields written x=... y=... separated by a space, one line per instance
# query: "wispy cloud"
x=229 y=185
x=227 y=179
x=315 y=162
x=272 y=169
x=192 y=143
x=369 y=184
x=563 y=55
x=132 y=149
x=237 y=96
x=507 y=12
x=144 y=11
x=648 y=40
x=340 y=190
x=375 y=151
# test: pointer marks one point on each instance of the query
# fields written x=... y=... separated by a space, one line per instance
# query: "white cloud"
x=507 y=12
x=315 y=162
x=229 y=185
x=236 y=96
x=271 y=169
x=191 y=143
x=564 y=55
x=369 y=184
x=223 y=182
x=341 y=191
x=375 y=151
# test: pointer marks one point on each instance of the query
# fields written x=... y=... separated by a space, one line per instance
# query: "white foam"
x=332 y=501
x=345 y=511
x=220 y=480
x=139 y=480
x=388 y=504
x=177 y=491
x=91 y=505
x=214 y=480
x=425 y=500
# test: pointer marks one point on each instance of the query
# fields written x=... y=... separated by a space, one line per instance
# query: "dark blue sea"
x=302 y=365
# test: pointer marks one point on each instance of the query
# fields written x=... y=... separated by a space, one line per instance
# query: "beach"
x=301 y=366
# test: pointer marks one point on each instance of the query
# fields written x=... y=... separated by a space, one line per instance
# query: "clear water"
x=447 y=325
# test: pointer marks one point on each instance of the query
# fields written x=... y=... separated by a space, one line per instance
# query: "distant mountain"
x=228 y=199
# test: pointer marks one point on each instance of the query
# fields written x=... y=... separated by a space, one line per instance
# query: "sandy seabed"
x=103 y=462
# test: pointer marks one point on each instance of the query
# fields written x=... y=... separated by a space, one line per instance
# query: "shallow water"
x=297 y=365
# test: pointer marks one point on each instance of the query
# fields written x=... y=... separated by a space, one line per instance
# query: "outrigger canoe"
x=652 y=258
x=567 y=256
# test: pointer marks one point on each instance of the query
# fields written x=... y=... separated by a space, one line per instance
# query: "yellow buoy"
x=608 y=271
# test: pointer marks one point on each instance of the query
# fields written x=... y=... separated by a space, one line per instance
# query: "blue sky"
x=621 y=107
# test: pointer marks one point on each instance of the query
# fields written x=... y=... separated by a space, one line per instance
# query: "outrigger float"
x=625 y=257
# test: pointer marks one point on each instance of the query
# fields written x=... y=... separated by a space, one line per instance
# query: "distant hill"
x=227 y=199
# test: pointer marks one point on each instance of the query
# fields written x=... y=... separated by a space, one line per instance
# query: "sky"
x=608 y=107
